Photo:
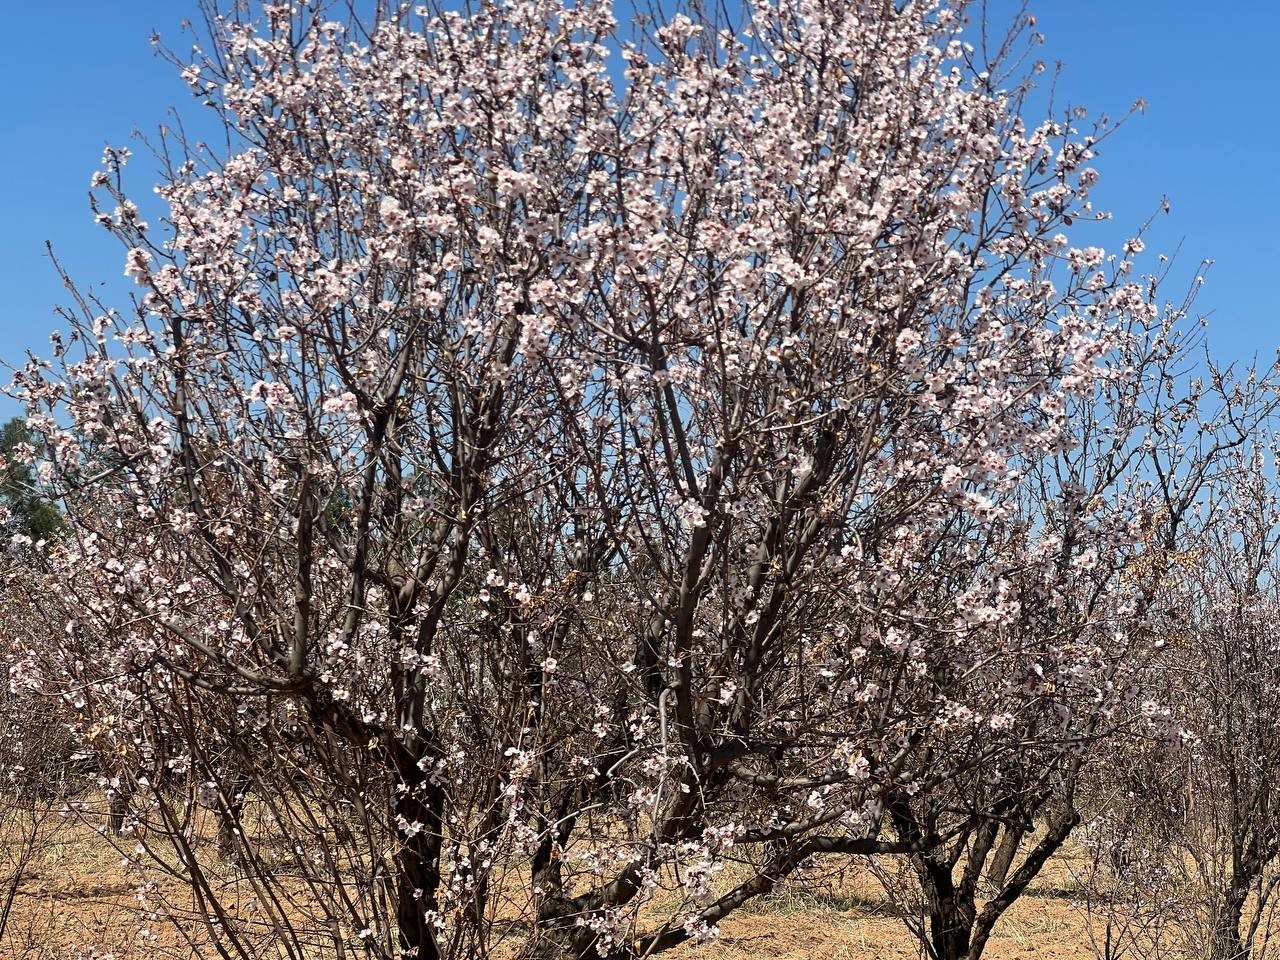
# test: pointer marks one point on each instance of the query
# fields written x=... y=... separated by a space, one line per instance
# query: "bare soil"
x=78 y=901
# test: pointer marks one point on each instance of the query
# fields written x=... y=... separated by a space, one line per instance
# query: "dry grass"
x=851 y=919
x=79 y=902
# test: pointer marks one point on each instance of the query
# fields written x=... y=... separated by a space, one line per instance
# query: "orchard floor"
x=78 y=902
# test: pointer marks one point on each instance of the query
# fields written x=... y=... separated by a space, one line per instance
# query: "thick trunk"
x=1227 y=943
x=560 y=937
x=952 y=910
x=957 y=930
x=950 y=926
x=418 y=809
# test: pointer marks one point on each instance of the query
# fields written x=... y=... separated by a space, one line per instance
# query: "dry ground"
x=78 y=902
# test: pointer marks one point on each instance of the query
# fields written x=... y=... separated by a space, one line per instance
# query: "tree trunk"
x=420 y=805
x=1227 y=944
x=1005 y=854
x=116 y=810
x=950 y=923
x=1061 y=823
x=951 y=910
x=558 y=935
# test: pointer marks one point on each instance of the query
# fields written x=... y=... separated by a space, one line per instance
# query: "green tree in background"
x=29 y=513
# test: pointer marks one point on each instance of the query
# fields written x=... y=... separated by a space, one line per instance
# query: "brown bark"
x=1006 y=853
x=1227 y=943
x=116 y=810
x=417 y=862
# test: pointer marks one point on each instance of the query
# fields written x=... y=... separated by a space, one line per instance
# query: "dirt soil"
x=79 y=902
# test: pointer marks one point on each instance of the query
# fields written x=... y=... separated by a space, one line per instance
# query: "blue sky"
x=81 y=73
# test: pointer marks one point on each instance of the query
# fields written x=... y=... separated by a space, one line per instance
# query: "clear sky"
x=78 y=74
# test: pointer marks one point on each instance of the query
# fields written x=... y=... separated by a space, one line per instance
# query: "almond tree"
x=1115 y=515
x=1219 y=777
x=523 y=488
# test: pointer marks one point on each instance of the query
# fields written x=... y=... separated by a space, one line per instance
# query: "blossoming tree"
x=1212 y=783
x=541 y=468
